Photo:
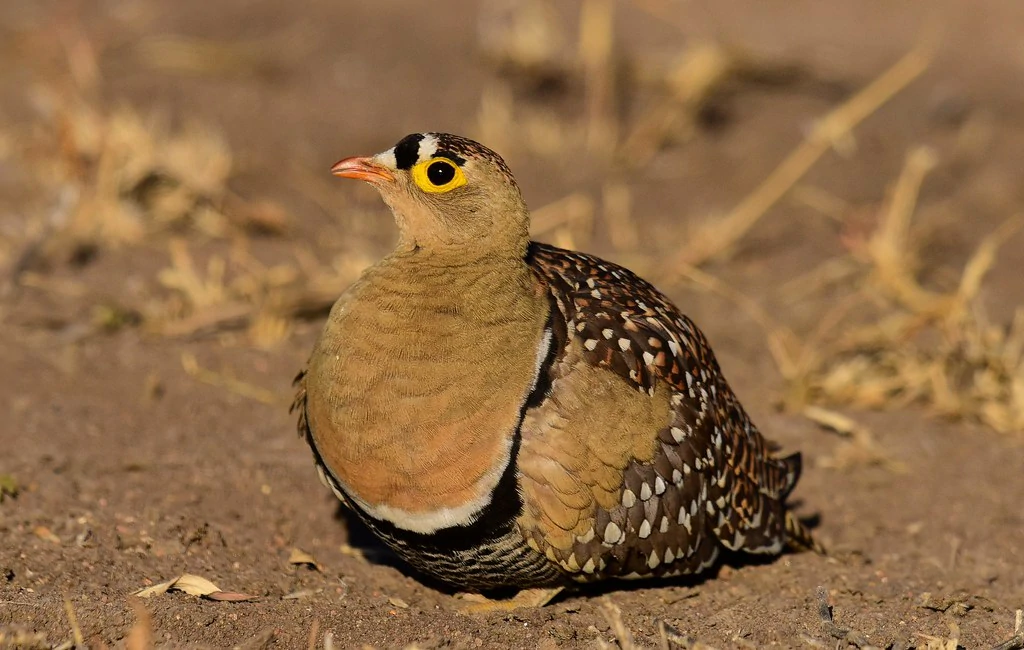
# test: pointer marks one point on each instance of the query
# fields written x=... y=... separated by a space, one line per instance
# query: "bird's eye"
x=438 y=175
x=440 y=172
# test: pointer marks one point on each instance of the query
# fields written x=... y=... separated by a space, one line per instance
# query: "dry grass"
x=240 y=293
x=100 y=180
x=116 y=178
x=558 y=98
x=889 y=342
x=1016 y=642
x=909 y=343
x=714 y=239
x=122 y=176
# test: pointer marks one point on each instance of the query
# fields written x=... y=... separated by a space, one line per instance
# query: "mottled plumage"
x=502 y=412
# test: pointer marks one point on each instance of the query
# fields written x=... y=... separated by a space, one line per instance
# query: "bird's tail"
x=799 y=537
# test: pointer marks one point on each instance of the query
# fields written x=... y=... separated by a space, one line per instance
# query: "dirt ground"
x=139 y=455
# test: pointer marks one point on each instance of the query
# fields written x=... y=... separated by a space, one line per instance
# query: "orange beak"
x=363 y=169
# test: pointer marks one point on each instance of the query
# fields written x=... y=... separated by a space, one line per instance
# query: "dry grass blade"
x=613 y=614
x=908 y=343
x=245 y=389
x=692 y=80
x=191 y=55
x=713 y=239
x=859 y=446
x=112 y=178
x=76 y=631
x=984 y=257
x=140 y=637
x=242 y=293
x=669 y=638
x=574 y=212
x=782 y=342
x=314 y=631
x=198 y=289
x=951 y=642
x=21 y=639
x=523 y=36
x=1016 y=642
x=889 y=247
x=622 y=229
x=597 y=36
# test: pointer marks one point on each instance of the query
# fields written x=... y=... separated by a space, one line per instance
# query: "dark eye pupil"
x=440 y=173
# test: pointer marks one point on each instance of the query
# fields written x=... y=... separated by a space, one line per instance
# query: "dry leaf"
x=300 y=557
x=155 y=590
x=194 y=586
x=44 y=533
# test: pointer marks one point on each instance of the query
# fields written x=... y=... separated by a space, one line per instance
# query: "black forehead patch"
x=450 y=155
x=407 y=151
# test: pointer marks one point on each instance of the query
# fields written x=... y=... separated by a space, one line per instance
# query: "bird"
x=504 y=413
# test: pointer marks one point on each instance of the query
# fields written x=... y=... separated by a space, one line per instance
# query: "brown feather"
x=415 y=387
x=704 y=475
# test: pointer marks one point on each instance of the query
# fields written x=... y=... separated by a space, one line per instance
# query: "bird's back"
x=626 y=454
x=640 y=460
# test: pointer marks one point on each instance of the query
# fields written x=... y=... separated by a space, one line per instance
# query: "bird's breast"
x=416 y=390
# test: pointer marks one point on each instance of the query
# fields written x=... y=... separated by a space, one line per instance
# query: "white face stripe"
x=428 y=147
x=387 y=158
x=465 y=514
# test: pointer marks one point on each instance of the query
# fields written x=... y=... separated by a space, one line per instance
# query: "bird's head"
x=448 y=194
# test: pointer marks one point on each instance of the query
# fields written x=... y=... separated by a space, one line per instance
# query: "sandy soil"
x=132 y=472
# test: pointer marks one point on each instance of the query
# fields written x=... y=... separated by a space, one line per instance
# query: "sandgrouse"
x=506 y=413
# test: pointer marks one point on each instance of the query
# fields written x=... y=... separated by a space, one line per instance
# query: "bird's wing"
x=298 y=408
x=640 y=459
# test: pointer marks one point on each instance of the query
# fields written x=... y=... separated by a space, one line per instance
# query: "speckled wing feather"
x=703 y=477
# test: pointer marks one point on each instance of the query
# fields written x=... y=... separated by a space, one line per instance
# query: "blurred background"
x=831 y=190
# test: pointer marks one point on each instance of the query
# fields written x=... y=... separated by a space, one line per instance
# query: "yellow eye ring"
x=438 y=175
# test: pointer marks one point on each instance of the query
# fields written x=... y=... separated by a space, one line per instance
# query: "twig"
x=577 y=207
x=314 y=631
x=833 y=630
x=1016 y=642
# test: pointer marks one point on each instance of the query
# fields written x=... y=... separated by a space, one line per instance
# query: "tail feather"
x=799 y=537
x=794 y=465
